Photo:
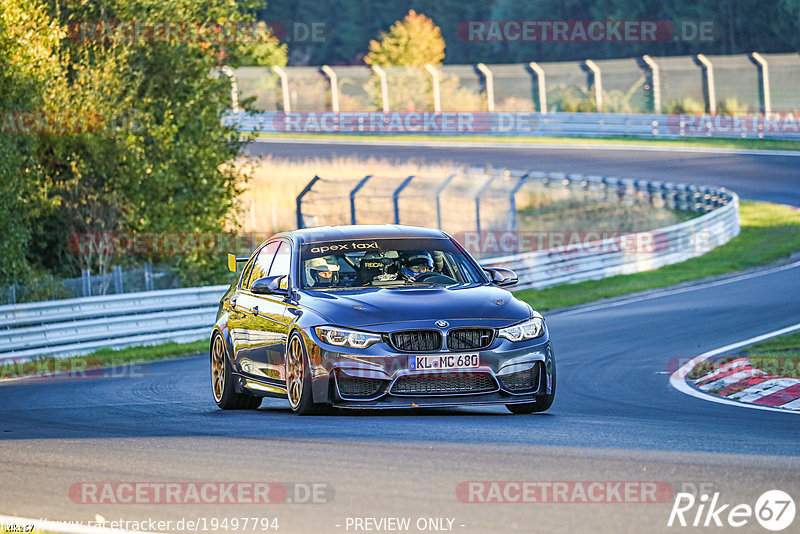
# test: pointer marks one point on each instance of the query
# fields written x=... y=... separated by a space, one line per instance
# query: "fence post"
x=513 y=216
x=708 y=82
x=334 y=87
x=541 y=87
x=13 y=293
x=437 y=97
x=384 y=87
x=86 y=282
x=396 y=198
x=353 y=198
x=597 y=81
x=655 y=82
x=763 y=86
x=287 y=104
x=478 y=203
x=117 y=274
x=300 y=222
x=439 y=190
x=489 y=78
x=148 y=276
x=227 y=71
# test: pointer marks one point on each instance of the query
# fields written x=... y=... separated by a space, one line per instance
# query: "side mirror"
x=269 y=285
x=502 y=277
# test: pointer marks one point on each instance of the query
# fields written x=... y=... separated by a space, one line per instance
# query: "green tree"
x=28 y=41
x=160 y=158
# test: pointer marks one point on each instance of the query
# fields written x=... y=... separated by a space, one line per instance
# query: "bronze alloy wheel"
x=294 y=372
x=217 y=368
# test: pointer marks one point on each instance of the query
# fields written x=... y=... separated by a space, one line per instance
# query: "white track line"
x=678 y=378
x=526 y=146
x=67 y=527
x=676 y=291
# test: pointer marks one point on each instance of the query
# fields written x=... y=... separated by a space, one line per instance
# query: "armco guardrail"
x=774 y=126
x=604 y=258
x=78 y=326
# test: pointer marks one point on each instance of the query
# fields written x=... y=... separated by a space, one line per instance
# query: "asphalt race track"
x=616 y=418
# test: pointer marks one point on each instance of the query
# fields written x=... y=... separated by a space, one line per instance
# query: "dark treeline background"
x=740 y=26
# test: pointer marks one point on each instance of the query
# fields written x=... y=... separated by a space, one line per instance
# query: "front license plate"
x=443 y=362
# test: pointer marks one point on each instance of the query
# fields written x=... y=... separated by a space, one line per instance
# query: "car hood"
x=376 y=306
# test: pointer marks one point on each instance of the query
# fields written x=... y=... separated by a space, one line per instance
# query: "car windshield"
x=344 y=264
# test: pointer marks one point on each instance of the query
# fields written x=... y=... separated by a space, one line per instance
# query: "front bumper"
x=379 y=377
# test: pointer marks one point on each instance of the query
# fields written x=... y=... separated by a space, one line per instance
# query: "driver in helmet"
x=416 y=263
x=323 y=273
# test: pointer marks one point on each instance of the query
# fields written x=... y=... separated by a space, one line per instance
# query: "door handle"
x=255 y=310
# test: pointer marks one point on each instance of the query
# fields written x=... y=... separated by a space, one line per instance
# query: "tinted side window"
x=262 y=263
x=282 y=263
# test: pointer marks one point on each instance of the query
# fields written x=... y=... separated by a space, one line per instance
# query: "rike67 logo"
x=774 y=510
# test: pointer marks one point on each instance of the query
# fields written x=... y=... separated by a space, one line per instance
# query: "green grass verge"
x=101 y=358
x=769 y=232
x=699 y=142
x=779 y=356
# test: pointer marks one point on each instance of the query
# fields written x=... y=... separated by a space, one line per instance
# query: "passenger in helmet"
x=322 y=273
x=415 y=263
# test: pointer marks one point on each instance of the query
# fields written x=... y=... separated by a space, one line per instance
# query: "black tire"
x=298 y=378
x=542 y=404
x=222 y=386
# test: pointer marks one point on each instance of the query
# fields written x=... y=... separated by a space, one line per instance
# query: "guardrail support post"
x=117 y=274
x=13 y=294
x=353 y=198
x=708 y=82
x=396 y=198
x=300 y=222
x=437 y=97
x=540 y=86
x=227 y=71
x=86 y=282
x=489 y=80
x=763 y=78
x=513 y=216
x=439 y=190
x=597 y=82
x=478 y=203
x=287 y=103
x=148 y=276
x=329 y=72
x=384 y=87
x=655 y=82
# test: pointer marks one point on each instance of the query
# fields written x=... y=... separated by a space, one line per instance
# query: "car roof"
x=362 y=231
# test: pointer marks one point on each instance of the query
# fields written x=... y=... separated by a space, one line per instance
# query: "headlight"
x=346 y=338
x=530 y=329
